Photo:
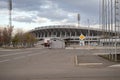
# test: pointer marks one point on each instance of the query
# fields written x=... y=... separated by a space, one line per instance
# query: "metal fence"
x=110 y=22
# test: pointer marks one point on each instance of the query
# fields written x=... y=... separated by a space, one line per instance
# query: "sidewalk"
x=92 y=61
x=14 y=49
x=3 y=49
x=91 y=47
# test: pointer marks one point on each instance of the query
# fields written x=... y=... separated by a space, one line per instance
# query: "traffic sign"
x=81 y=37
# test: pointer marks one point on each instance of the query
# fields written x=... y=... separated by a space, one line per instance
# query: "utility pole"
x=112 y=29
x=88 y=32
x=116 y=14
x=102 y=17
x=78 y=18
x=10 y=14
x=110 y=26
x=10 y=20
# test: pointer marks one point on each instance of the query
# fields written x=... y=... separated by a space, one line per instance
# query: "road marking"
x=100 y=53
x=20 y=57
x=31 y=54
x=4 y=60
x=14 y=54
x=76 y=60
x=116 y=65
x=2 y=49
x=34 y=54
x=88 y=64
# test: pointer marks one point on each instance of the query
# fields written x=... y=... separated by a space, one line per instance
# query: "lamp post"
x=10 y=14
x=88 y=32
x=116 y=8
x=78 y=18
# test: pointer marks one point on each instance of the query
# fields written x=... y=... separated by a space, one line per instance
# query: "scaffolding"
x=110 y=23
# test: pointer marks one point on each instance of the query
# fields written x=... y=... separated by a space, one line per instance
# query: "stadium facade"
x=69 y=33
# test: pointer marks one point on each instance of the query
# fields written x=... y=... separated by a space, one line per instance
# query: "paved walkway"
x=92 y=47
x=92 y=61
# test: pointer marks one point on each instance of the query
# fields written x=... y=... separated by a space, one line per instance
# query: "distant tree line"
x=20 y=39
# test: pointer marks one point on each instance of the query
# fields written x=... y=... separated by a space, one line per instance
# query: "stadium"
x=70 y=34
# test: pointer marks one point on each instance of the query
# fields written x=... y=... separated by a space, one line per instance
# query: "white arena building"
x=69 y=33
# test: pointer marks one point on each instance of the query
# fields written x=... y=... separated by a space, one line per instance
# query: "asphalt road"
x=52 y=64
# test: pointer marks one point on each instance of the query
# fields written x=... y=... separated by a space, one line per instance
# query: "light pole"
x=78 y=18
x=88 y=32
x=116 y=8
x=10 y=10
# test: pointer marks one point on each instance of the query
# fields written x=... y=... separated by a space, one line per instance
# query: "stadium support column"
x=40 y=34
x=65 y=34
x=56 y=34
x=44 y=34
x=51 y=33
x=48 y=34
x=36 y=35
x=70 y=34
x=60 y=34
x=75 y=34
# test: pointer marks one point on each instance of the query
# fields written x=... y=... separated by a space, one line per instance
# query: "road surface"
x=53 y=64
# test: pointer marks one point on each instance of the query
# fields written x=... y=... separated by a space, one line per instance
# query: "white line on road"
x=20 y=57
x=115 y=66
x=4 y=60
x=100 y=53
x=14 y=54
x=34 y=54
x=8 y=50
x=87 y=64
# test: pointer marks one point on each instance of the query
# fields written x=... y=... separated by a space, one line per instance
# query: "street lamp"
x=88 y=32
x=78 y=18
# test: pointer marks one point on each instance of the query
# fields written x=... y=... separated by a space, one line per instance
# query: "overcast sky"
x=28 y=14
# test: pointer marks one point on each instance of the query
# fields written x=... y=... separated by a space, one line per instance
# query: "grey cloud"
x=3 y=4
x=86 y=6
x=56 y=10
x=26 y=5
x=88 y=9
x=53 y=14
x=90 y=6
x=25 y=19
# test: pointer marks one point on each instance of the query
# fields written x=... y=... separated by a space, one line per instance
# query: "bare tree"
x=1 y=37
x=22 y=39
x=7 y=35
x=29 y=39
